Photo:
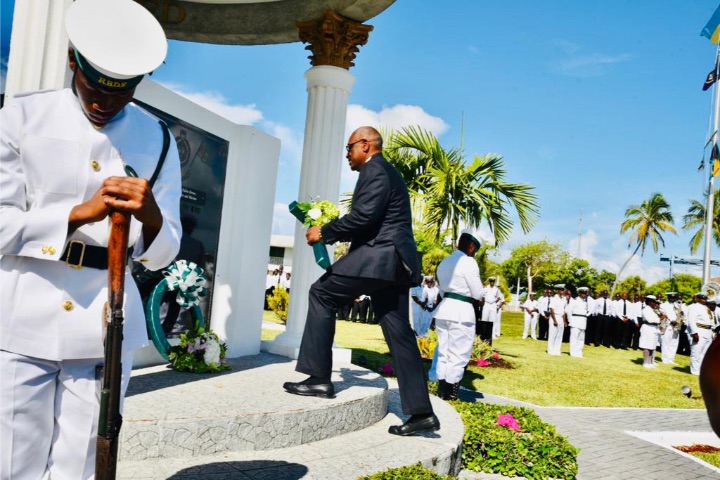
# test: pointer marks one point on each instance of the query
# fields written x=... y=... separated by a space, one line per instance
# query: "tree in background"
x=532 y=259
x=646 y=222
x=632 y=285
x=695 y=219
x=573 y=272
x=685 y=283
x=453 y=193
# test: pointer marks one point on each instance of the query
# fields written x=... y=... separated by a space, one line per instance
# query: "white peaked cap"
x=120 y=38
x=475 y=235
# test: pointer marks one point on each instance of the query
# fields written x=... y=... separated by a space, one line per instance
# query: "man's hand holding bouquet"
x=315 y=215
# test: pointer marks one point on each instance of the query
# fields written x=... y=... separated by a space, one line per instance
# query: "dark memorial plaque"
x=203 y=160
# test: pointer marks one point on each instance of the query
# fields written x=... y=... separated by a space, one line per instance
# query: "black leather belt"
x=79 y=255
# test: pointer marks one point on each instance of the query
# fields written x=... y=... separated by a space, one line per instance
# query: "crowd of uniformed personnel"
x=640 y=322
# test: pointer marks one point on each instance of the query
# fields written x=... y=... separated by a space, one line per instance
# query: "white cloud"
x=589 y=65
x=217 y=103
x=618 y=255
x=394 y=117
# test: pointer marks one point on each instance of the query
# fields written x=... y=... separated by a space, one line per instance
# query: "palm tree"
x=453 y=192
x=647 y=222
x=695 y=218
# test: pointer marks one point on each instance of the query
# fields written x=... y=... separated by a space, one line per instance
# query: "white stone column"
x=322 y=162
x=38 y=47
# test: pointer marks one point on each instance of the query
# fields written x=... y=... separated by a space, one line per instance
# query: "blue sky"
x=596 y=103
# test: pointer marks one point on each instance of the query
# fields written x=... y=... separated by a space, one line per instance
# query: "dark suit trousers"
x=392 y=311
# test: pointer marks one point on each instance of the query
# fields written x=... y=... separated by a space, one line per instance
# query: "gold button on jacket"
x=95 y=165
x=51 y=250
x=68 y=305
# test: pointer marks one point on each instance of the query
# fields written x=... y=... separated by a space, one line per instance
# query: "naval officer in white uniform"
x=578 y=311
x=63 y=159
x=700 y=324
x=460 y=285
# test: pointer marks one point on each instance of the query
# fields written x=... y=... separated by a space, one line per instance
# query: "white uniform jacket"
x=699 y=314
x=544 y=305
x=459 y=274
x=51 y=159
x=578 y=312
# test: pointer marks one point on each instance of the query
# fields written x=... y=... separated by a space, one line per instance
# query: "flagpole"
x=709 y=214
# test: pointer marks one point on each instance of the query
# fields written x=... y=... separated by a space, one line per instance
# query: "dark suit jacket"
x=379 y=227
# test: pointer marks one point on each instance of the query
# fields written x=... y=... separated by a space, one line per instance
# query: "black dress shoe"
x=415 y=425
x=322 y=390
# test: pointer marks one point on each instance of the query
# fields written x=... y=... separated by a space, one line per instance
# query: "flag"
x=711 y=77
x=714 y=163
x=712 y=29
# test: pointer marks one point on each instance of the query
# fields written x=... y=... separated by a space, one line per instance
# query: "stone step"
x=341 y=457
x=170 y=414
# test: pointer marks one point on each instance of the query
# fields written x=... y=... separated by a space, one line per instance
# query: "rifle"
x=110 y=419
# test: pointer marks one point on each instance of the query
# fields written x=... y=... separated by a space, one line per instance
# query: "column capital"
x=334 y=40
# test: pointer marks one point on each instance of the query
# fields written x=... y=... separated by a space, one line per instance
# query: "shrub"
x=413 y=472
x=481 y=350
x=278 y=303
x=536 y=452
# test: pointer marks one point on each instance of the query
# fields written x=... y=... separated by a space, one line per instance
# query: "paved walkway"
x=609 y=452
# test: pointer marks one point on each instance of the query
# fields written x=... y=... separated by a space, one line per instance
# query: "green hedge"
x=536 y=452
x=413 y=472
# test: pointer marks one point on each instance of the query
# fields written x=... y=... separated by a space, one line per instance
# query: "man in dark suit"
x=382 y=262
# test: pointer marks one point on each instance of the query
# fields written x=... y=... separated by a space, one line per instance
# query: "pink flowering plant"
x=507 y=420
x=199 y=351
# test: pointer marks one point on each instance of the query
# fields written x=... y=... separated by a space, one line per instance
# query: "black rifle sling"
x=163 y=154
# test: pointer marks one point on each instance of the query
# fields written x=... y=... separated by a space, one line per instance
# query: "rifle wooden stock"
x=110 y=419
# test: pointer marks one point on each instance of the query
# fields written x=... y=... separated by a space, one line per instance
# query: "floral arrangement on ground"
x=483 y=355
x=514 y=441
x=199 y=351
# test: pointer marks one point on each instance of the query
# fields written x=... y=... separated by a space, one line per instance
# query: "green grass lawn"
x=603 y=378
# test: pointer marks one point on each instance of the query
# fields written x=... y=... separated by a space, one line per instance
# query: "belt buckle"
x=79 y=264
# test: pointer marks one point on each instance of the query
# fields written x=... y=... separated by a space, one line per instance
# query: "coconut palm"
x=695 y=219
x=647 y=222
x=455 y=193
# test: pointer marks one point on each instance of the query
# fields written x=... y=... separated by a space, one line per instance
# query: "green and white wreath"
x=199 y=350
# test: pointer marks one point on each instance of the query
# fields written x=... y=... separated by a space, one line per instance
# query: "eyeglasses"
x=349 y=146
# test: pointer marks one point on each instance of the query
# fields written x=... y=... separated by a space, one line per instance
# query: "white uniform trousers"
x=669 y=342
x=555 y=336
x=530 y=325
x=497 y=324
x=49 y=416
x=455 y=342
x=698 y=350
x=577 y=341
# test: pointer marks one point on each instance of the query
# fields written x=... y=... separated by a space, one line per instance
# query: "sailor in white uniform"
x=65 y=157
x=492 y=299
x=578 y=311
x=652 y=317
x=556 y=323
x=700 y=324
x=670 y=338
x=530 y=307
x=432 y=293
x=459 y=279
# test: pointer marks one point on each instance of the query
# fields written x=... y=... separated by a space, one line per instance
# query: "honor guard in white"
x=431 y=292
x=492 y=303
x=670 y=332
x=652 y=318
x=460 y=285
x=65 y=157
x=530 y=307
x=700 y=324
x=578 y=311
x=556 y=322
